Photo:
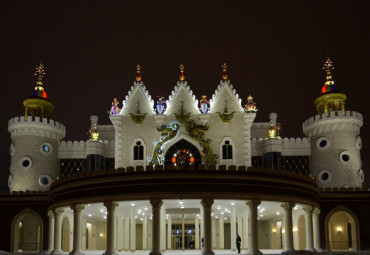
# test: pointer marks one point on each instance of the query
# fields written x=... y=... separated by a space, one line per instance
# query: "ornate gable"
x=225 y=94
x=137 y=97
x=182 y=98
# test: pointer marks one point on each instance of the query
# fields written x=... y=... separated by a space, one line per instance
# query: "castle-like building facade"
x=178 y=174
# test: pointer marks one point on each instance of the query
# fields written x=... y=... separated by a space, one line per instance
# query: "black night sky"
x=275 y=50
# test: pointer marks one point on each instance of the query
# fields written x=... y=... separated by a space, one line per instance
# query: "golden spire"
x=182 y=76
x=329 y=83
x=138 y=73
x=224 y=72
x=40 y=73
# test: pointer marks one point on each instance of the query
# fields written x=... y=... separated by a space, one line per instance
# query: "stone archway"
x=26 y=233
x=342 y=230
x=185 y=153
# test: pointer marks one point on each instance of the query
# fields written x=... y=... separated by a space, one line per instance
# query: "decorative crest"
x=161 y=105
x=224 y=72
x=182 y=117
x=114 y=110
x=226 y=117
x=138 y=118
x=251 y=105
x=204 y=104
x=94 y=134
x=182 y=75
x=138 y=73
x=329 y=83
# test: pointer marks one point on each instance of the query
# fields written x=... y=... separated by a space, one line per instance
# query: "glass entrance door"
x=178 y=237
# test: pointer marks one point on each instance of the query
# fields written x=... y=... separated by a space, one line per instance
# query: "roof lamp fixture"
x=339 y=229
x=132 y=204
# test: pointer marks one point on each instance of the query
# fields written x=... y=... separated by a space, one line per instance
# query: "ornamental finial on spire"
x=138 y=73
x=224 y=72
x=40 y=73
x=182 y=76
x=329 y=83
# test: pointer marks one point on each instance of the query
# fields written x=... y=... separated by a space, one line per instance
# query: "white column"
x=245 y=229
x=163 y=228
x=214 y=241
x=316 y=229
x=126 y=232
x=196 y=243
x=51 y=231
x=77 y=210
x=111 y=208
x=222 y=233
x=207 y=210
x=201 y=227
x=288 y=225
x=132 y=229
x=253 y=245
x=120 y=235
x=309 y=228
x=239 y=217
x=145 y=233
x=156 y=232
x=83 y=230
x=169 y=228
x=233 y=228
x=58 y=231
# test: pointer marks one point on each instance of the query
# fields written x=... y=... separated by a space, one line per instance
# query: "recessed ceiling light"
x=132 y=204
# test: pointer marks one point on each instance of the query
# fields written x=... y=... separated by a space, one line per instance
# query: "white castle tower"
x=335 y=138
x=34 y=148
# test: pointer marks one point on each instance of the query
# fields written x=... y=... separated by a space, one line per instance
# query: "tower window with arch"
x=227 y=150
x=138 y=151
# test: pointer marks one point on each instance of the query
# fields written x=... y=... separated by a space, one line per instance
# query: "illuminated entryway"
x=27 y=232
x=342 y=230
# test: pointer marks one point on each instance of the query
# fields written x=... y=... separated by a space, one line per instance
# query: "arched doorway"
x=342 y=231
x=183 y=153
x=66 y=234
x=26 y=232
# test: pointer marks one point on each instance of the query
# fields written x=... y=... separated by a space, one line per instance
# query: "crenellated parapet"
x=19 y=126
x=287 y=146
x=335 y=121
x=79 y=149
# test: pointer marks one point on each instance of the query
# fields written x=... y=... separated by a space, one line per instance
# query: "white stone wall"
x=28 y=137
x=341 y=135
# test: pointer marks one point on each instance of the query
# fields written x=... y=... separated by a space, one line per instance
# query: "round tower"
x=334 y=138
x=35 y=140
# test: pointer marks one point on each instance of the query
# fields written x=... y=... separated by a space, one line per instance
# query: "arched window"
x=138 y=151
x=227 y=150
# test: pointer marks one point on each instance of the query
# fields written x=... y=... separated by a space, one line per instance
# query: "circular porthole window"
x=45 y=181
x=26 y=162
x=361 y=175
x=10 y=181
x=324 y=176
x=322 y=143
x=359 y=142
x=46 y=148
x=12 y=149
x=345 y=156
